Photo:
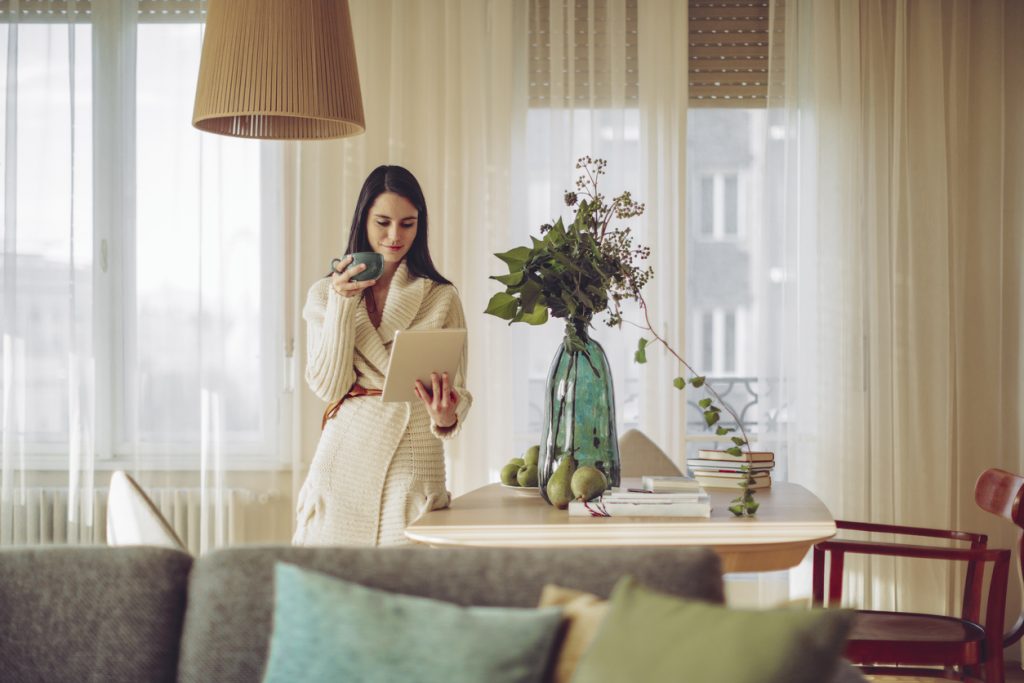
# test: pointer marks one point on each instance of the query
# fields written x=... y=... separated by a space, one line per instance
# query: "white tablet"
x=417 y=353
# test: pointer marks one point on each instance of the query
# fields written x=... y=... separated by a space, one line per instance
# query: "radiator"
x=39 y=516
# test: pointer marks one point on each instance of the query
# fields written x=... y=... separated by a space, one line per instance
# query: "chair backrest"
x=641 y=457
x=133 y=519
x=1002 y=493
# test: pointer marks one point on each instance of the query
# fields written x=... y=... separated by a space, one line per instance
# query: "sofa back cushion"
x=228 y=624
x=91 y=614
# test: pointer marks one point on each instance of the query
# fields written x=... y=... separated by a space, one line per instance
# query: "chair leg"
x=818 y=577
x=994 y=669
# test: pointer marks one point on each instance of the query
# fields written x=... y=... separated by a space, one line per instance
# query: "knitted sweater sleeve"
x=330 y=341
x=456 y=319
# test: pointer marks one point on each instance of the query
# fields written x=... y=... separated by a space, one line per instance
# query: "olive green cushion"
x=654 y=637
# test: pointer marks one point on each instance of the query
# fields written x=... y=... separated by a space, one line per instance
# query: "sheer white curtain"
x=608 y=81
x=582 y=102
x=141 y=298
x=490 y=104
x=663 y=100
x=895 y=230
x=441 y=82
x=49 y=363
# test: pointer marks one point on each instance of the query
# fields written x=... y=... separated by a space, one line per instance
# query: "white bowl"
x=523 y=490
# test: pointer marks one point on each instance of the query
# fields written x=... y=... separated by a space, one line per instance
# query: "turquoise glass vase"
x=579 y=414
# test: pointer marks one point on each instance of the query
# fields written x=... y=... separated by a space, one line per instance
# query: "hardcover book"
x=755 y=456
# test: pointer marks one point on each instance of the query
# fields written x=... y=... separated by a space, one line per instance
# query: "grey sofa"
x=151 y=614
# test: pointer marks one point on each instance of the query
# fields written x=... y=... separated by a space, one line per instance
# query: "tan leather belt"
x=356 y=390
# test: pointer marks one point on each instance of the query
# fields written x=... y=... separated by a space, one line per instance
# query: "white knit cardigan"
x=378 y=466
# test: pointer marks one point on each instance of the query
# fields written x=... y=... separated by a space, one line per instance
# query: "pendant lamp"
x=279 y=70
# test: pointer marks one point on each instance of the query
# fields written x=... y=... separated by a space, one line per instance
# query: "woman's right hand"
x=341 y=279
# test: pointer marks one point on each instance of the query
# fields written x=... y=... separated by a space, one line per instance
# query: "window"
x=706 y=334
x=719 y=341
x=725 y=151
x=728 y=364
x=731 y=62
x=170 y=263
x=730 y=205
x=718 y=198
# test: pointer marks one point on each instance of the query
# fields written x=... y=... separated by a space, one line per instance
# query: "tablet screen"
x=417 y=353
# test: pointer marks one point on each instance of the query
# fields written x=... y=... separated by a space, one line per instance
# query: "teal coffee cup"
x=374 y=265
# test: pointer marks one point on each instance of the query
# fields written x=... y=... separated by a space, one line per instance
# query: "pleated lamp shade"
x=279 y=70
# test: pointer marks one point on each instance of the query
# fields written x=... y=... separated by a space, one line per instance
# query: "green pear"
x=509 y=474
x=518 y=462
x=588 y=483
x=559 y=487
x=527 y=475
x=532 y=455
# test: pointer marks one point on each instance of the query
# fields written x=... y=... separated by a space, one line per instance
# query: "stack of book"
x=720 y=470
x=658 y=497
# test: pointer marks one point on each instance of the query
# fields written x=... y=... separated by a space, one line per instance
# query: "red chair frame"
x=981 y=648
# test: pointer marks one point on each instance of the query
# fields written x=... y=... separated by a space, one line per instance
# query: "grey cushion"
x=228 y=624
x=91 y=614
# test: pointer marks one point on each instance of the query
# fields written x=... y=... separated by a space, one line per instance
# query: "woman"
x=378 y=466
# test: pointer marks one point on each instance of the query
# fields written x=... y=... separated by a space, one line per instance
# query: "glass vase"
x=579 y=414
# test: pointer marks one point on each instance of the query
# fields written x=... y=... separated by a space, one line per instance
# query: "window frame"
x=113 y=76
x=718 y=177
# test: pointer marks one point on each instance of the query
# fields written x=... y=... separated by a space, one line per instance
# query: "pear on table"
x=522 y=471
x=588 y=483
x=559 y=487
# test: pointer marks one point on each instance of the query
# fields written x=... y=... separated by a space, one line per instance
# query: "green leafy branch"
x=578 y=270
x=744 y=505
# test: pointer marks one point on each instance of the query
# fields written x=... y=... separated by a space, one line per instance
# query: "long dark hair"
x=400 y=181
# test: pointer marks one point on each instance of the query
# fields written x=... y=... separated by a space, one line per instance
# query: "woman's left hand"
x=439 y=400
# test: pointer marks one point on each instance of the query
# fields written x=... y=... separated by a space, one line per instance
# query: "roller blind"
x=159 y=11
x=44 y=11
x=597 y=67
x=729 y=58
x=150 y=11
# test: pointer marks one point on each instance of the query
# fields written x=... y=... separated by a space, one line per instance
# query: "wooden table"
x=790 y=520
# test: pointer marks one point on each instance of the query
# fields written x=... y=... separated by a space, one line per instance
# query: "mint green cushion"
x=650 y=636
x=327 y=629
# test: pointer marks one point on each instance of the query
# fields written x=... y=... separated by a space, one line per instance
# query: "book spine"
x=756 y=456
x=669 y=484
x=598 y=509
x=704 y=469
x=735 y=484
x=656 y=498
x=698 y=462
x=731 y=475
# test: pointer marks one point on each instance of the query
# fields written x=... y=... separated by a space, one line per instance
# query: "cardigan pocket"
x=309 y=514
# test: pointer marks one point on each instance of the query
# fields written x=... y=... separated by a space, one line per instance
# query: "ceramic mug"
x=374 y=265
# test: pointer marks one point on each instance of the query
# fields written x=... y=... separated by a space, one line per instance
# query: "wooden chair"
x=642 y=457
x=963 y=646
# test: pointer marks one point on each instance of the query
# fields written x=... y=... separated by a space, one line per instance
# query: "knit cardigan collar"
x=405 y=296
